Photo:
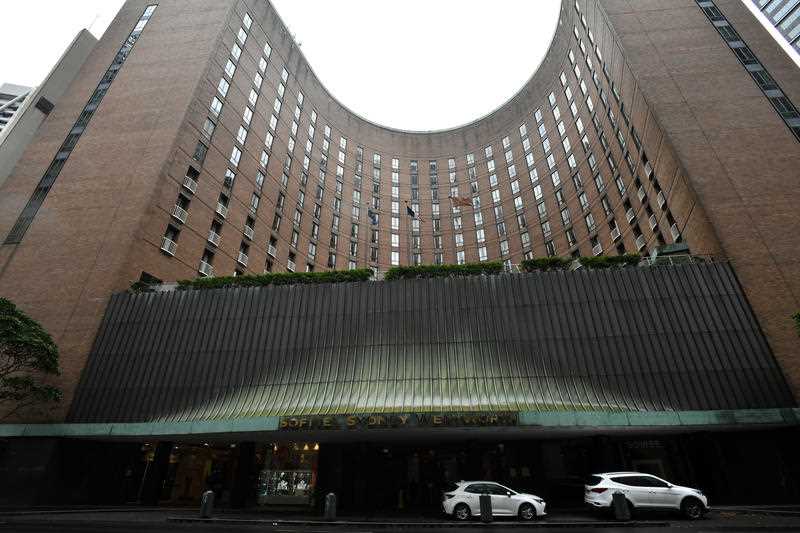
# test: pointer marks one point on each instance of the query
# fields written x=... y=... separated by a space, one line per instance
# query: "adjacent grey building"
x=784 y=15
x=32 y=106
x=12 y=97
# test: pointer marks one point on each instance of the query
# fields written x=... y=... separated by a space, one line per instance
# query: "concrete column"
x=242 y=492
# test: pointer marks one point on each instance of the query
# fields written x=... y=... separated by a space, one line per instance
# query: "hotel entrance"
x=394 y=478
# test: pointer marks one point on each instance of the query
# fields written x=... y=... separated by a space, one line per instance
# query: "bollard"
x=486 y=508
x=622 y=511
x=330 y=507
x=207 y=504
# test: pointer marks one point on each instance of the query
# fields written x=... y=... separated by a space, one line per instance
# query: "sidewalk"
x=720 y=518
x=230 y=517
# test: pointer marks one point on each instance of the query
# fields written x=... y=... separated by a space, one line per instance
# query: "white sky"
x=422 y=64
x=410 y=64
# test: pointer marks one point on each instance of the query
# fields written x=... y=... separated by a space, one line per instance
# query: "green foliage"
x=797 y=322
x=546 y=264
x=139 y=286
x=606 y=261
x=27 y=354
x=278 y=278
x=443 y=271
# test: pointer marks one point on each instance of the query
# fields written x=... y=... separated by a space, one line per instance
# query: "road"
x=157 y=522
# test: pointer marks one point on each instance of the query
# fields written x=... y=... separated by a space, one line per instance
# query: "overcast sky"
x=411 y=64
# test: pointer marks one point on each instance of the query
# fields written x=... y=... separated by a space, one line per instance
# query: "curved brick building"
x=210 y=148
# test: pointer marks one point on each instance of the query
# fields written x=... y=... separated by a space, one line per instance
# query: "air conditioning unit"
x=222 y=210
x=179 y=213
x=206 y=269
x=168 y=246
x=213 y=238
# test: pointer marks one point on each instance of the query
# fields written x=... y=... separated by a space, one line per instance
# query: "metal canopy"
x=659 y=339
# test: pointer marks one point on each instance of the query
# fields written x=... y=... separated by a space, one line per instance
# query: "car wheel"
x=527 y=511
x=461 y=512
x=692 y=509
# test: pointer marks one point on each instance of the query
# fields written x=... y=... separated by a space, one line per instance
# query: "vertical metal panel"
x=676 y=338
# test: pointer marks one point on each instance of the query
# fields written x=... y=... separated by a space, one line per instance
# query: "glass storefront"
x=287 y=474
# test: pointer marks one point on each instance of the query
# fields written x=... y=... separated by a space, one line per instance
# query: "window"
x=223 y=87
x=236 y=155
x=230 y=68
x=209 y=127
x=200 y=152
x=216 y=106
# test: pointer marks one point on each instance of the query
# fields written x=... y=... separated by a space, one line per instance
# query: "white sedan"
x=463 y=501
x=644 y=491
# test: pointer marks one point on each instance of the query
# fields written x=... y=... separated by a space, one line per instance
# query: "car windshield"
x=591 y=481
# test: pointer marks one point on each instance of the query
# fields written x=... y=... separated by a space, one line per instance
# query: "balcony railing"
x=179 y=213
x=242 y=259
x=168 y=246
x=206 y=270
x=615 y=234
x=661 y=199
x=597 y=249
x=213 y=238
x=653 y=222
x=675 y=232
x=249 y=232
x=222 y=210
x=189 y=184
x=630 y=214
x=272 y=250
x=291 y=266
x=641 y=194
x=640 y=242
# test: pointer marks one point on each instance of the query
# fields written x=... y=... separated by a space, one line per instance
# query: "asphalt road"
x=143 y=522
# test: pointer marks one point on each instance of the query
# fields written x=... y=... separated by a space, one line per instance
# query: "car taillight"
x=599 y=490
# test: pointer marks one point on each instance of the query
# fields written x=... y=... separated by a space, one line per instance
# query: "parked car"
x=462 y=501
x=644 y=491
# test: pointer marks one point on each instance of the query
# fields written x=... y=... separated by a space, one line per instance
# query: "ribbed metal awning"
x=647 y=339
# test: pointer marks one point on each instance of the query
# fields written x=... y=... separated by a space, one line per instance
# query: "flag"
x=410 y=212
x=461 y=202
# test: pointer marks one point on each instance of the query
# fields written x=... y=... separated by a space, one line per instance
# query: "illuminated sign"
x=398 y=421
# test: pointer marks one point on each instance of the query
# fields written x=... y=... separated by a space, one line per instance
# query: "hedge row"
x=443 y=271
x=610 y=261
x=278 y=278
x=545 y=264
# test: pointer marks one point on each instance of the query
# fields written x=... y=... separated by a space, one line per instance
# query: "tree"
x=27 y=356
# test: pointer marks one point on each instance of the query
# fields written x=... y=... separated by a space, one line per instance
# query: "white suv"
x=463 y=501
x=644 y=491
